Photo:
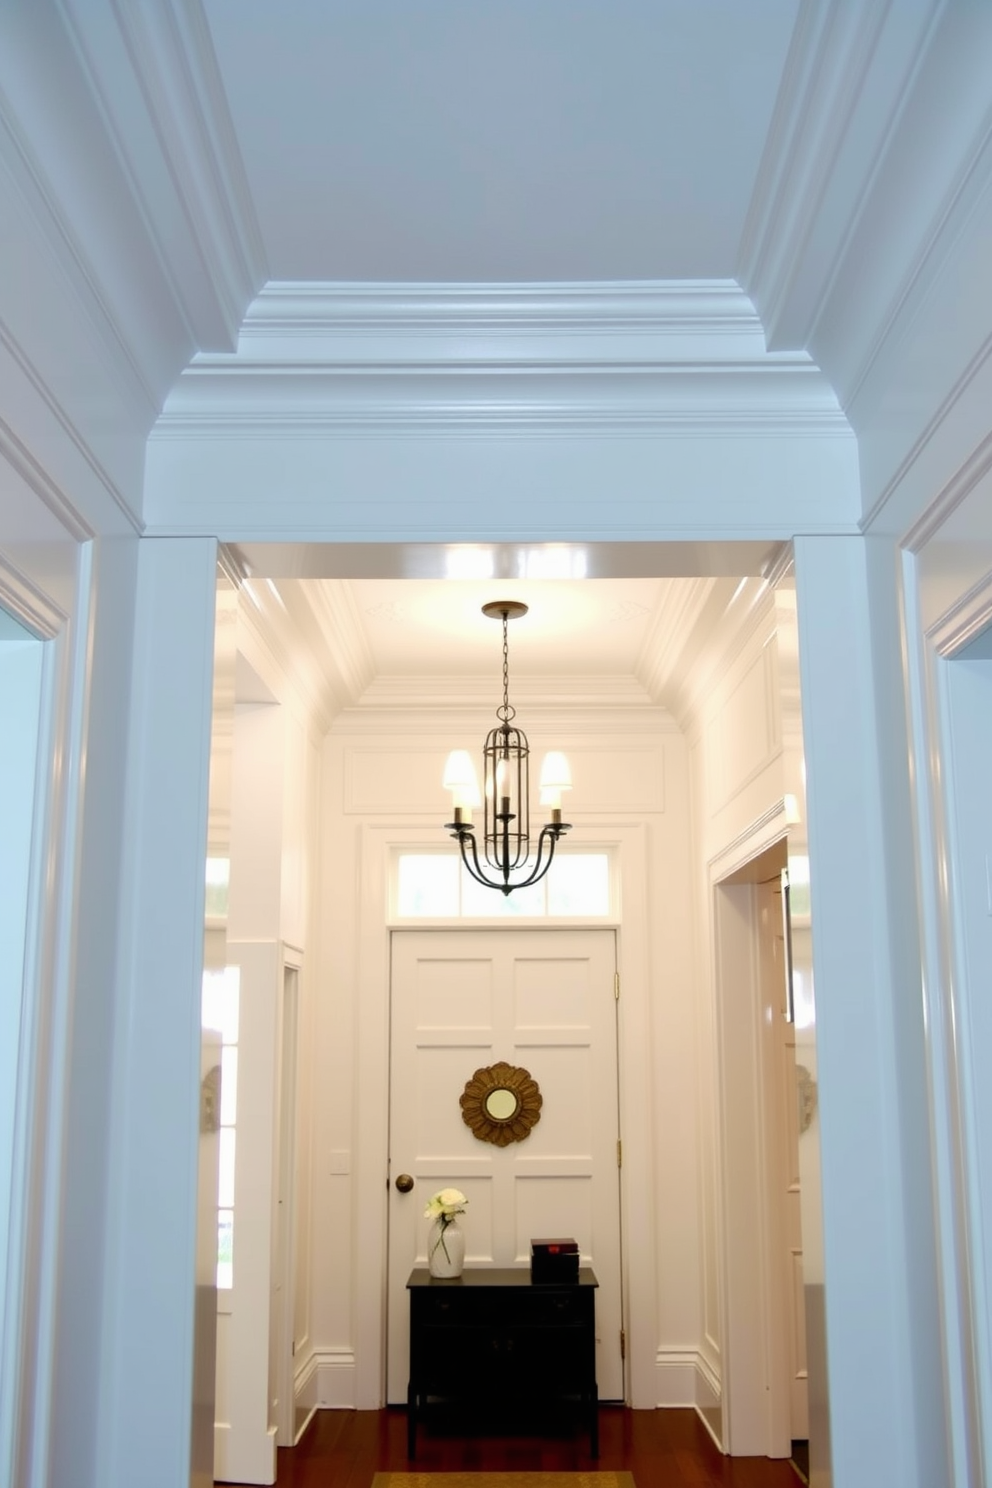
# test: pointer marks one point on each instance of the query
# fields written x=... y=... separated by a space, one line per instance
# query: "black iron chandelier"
x=506 y=845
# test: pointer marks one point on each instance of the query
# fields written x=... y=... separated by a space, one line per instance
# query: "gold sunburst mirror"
x=501 y=1103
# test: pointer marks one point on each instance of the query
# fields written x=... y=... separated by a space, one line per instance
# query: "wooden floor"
x=662 y=1449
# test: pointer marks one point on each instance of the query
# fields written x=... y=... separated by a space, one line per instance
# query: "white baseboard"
x=326 y=1381
x=684 y=1377
x=675 y=1376
x=237 y=1460
x=709 y=1399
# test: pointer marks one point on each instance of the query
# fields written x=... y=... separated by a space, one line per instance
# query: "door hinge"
x=294 y=1349
x=623 y=1344
x=616 y=986
x=619 y=1153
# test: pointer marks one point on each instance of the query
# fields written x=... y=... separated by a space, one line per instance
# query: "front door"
x=539 y=999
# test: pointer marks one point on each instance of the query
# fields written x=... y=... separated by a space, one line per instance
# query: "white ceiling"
x=501 y=140
x=592 y=627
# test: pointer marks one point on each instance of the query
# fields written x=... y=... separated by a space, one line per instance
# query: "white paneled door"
x=540 y=999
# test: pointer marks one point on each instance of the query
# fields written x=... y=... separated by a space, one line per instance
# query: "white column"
x=147 y=1355
x=883 y=1344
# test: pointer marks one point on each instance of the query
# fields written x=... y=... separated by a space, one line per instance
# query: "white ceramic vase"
x=446 y=1248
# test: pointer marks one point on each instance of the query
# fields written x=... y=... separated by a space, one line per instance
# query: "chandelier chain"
x=505 y=713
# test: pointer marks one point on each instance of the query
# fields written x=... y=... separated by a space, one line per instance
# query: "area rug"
x=503 y=1480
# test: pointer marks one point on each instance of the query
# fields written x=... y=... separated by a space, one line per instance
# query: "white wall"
x=733 y=722
x=382 y=774
x=273 y=839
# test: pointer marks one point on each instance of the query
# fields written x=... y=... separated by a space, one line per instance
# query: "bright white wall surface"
x=733 y=726
x=382 y=777
x=272 y=762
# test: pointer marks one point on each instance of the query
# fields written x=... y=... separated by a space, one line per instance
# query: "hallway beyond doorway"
x=661 y=1448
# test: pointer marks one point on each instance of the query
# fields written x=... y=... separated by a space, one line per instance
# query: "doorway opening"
x=372 y=796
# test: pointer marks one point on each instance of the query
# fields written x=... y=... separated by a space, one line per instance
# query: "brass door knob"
x=404 y=1183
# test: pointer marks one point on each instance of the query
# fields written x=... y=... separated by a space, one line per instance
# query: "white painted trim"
x=29 y=603
x=709 y=1398
x=255 y=1461
x=922 y=530
x=697 y=307
x=947 y=1116
x=39 y=480
x=328 y=1380
x=207 y=241
x=954 y=492
x=767 y=829
x=963 y=620
x=73 y=441
x=676 y=1377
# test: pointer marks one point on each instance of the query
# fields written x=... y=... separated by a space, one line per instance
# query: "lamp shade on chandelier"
x=505 y=859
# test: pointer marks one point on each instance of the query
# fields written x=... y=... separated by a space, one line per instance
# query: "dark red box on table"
x=554 y=1261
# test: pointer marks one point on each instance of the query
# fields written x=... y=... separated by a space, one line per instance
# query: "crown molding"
x=728 y=625
x=340 y=636
x=38 y=480
x=152 y=70
x=845 y=89
x=43 y=199
x=478 y=695
x=28 y=603
x=623 y=359
x=33 y=406
x=831 y=49
x=290 y=655
x=957 y=490
x=316 y=311
x=682 y=604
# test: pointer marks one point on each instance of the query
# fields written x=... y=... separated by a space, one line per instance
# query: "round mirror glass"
x=501 y=1104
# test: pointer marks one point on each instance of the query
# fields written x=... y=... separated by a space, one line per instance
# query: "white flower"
x=446 y=1203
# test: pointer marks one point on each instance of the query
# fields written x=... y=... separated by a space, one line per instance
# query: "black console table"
x=495 y=1339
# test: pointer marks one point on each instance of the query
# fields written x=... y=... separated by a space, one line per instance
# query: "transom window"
x=435 y=885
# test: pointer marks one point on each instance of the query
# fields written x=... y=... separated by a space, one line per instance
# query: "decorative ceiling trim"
x=952 y=493
x=292 y=655
x=966 y=619
x=950 y=497
x=825 y=152
x=683 y=601
x=24 y=461
x=20 y=458
x=26 y=602
x=641 y=307
x=39 y=196
x=471 y=694
x=469 y=422
x=173 y=135
x=830 y=54
x=624 y=359
x=334 y=612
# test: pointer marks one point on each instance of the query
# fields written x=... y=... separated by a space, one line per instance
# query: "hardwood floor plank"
x=661 y=1448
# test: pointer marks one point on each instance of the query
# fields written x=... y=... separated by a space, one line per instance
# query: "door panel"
x=543 y=999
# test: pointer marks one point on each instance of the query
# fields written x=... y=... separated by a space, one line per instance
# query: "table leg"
x=411 y=1421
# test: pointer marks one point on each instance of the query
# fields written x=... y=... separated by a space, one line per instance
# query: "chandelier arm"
x=549 y=834
x=473 y=867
